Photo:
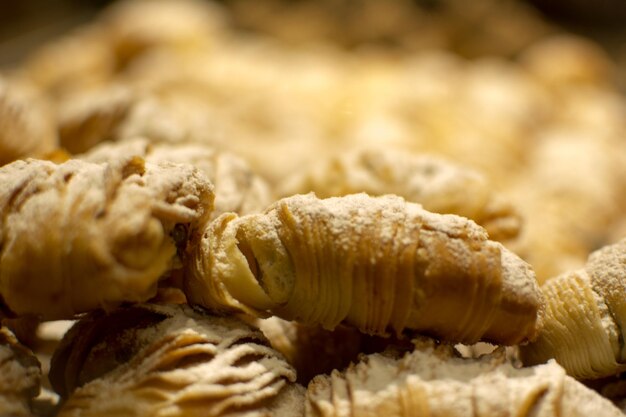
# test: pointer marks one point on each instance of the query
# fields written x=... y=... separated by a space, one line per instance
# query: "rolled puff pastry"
x=77 y=236
x=377 y=263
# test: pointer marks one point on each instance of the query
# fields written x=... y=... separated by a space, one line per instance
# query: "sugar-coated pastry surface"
x=469 y=165
x=585 y=315
x=377 y=263
x=164 y=360
x=432 y=381
x=78 y=235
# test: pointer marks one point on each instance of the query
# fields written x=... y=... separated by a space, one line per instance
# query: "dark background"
x=25 y=24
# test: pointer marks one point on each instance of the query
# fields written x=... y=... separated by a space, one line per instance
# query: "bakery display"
x=306 y=208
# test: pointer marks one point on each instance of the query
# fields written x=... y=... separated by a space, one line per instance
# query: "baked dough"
x=80 y=235
x=237 y=188
x=160 y=360
x=438 y=185
x=584 y=317
x=377 y=263
x=431 y=381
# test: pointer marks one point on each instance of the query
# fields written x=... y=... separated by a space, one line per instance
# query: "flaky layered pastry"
x=27 y=126
x=431 y=381
x=79 y=235
x=585 y=316
x=237 y=188
x=151 y=360
x=377 y=263
x=438 y=185
x=20 y=376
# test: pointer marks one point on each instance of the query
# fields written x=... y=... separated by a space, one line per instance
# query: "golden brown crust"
x=438 y=185
x=237 y=188
x=174 y=361
x=548 y=128
x=378 y=263
x=585 y=317
x=79 y=235
x=431 y=381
